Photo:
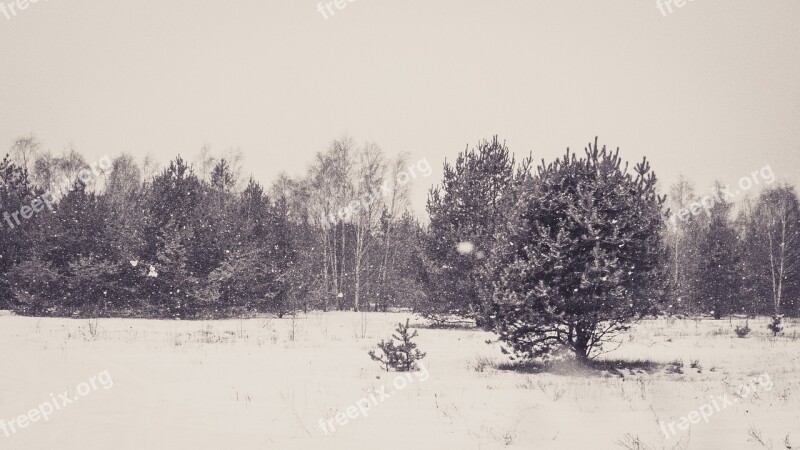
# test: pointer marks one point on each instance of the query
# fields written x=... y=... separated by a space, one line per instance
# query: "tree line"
x=727 y=262
x=195 y=240
x=579 y=235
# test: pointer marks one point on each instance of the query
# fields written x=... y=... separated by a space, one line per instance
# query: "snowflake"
x=465 y=248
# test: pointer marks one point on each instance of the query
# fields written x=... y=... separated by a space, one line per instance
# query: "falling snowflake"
x=465 y=248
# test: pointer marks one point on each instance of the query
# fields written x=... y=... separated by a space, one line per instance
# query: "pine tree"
x=175 y=291
x=255 y=273
x=73 y=246
x=402 y=357
x=406 y=277
x=475 y=197
x=178 y=284
x=581 y=258
x=15 y=239
x=719 y=278
x=36 y=288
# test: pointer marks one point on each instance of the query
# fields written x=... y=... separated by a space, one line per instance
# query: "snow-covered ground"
x=273 y=383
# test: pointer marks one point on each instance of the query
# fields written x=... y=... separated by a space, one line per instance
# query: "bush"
x=775 y=326
x=402 y=357
x=675 y=366
x=742 y=331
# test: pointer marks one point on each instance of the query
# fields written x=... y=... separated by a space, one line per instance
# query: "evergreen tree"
x=15 y=242
x=406 y=278
x=403 y=356
x=126 y=199
x=466 y=211
x=177 y=286
x=719 y=277
x=585 y=256
x=78 y=257
x=254 y=273
x=174 y=290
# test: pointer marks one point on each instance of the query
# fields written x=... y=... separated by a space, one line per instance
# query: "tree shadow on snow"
x=592 y=368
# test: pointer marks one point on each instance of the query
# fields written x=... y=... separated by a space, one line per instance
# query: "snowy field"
x=274 y=383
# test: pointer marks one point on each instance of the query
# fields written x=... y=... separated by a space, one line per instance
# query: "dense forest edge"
x=565 y=252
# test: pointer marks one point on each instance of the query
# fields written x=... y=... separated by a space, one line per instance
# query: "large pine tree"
x=582 y=256
x=174 y=287
x=466 y=211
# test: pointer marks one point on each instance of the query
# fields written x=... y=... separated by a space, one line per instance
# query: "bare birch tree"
x=24 y=151
x=366 y=209
x=777 y=216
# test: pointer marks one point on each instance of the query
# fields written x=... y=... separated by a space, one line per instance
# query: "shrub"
x=742 y=331
x=484 y=364
x=775 y=326
x=675 y=366
x=402 y=357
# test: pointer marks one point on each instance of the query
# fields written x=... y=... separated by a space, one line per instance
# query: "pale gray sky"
x=712 y=90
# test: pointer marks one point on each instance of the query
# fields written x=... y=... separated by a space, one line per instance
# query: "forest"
x=121 y=238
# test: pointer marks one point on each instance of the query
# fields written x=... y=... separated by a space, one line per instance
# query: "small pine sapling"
x=742 y=331
x=775 y=326
x=389 y=358
x=402 y=357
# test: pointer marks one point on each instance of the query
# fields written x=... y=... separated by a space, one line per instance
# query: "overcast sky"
x=712 y=90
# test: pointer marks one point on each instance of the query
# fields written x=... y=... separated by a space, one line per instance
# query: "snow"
x=246 y=384
x=465 y=248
